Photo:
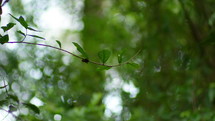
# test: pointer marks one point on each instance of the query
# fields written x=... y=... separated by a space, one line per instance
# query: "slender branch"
x=90 y=61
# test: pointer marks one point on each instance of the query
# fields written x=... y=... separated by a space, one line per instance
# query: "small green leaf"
x=135 y=65
x=20 y=32
x=8 y=27
x=23 y=22
x=102 y=68
x=81 y=50
x=104 y=55
x=4 y=39
x=59 y=43
x=32 y=107
x=35 y=36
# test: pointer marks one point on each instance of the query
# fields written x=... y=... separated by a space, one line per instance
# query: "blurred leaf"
x=32 y=107
x=8 y=27
x=12 y=108
x=20 y=32
x=59 y=43
x=119 y=58
x=102 y=68
x=210 y=39
x=211 y=94
x=3 y=87
x=96 y=99
x=135 y=65
x=13 y=97
x=35 y=36
x=104 y=55
x=85 y=60
x=81 y=50
x=185 y=114
x=4 y=39
x=2 y=102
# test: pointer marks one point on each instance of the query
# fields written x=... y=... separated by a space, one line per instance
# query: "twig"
x=90 y=61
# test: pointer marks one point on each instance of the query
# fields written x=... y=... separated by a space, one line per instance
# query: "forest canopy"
x=107 y=60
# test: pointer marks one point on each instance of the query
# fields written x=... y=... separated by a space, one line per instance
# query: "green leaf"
x=81 y=50
x=20 y=32
x=59 y=43
x=21 y=20
x=103 y=68
x=13 y=97
x=8 y=27
x=135 y=65
x=104 y=55
x=4 y=39
x=35 y=36
x=32 y=107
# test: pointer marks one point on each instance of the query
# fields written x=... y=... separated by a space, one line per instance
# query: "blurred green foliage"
x=175 y=78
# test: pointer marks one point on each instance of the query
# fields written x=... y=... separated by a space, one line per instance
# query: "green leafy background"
x=173 y=81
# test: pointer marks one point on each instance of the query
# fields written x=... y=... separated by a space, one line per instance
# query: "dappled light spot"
x=36 y=101
x=130 y=88
x=57 y=117
x=36 y=74
x=114 y=103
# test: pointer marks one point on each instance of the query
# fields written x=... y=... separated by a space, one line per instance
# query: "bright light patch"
x=113 y=103
x=36 y=101
x=57 y=117
x=36 y=74
x=12 y=46
x=130 y=88
x=55 y=19
x=4 y=116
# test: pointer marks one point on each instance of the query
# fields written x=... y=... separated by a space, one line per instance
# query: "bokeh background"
x=175 y=80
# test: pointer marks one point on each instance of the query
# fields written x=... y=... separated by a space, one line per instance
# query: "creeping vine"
x=11 y=100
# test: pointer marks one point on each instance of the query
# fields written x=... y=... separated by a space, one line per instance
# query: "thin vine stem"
x=26 y=33
x=63 y=50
